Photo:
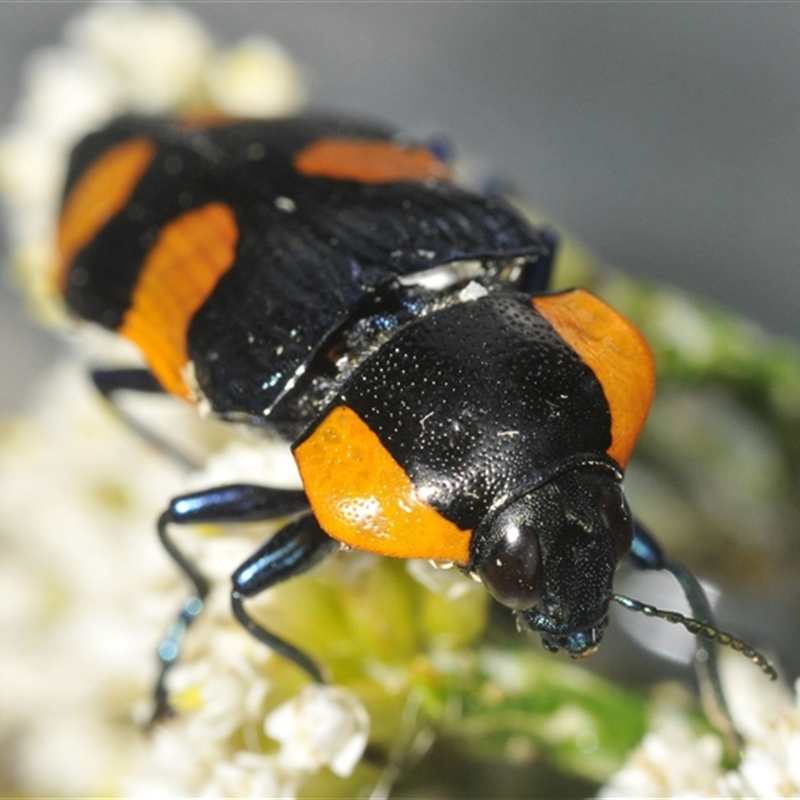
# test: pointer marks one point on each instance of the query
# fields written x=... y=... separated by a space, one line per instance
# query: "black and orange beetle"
x=325 y=280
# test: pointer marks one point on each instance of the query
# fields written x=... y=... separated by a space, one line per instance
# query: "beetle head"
x=550 y=555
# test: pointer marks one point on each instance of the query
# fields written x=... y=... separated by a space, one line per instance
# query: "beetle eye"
x=617 y=517
x=511 y=567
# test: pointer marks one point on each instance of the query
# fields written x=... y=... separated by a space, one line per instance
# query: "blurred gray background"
x=665 y=136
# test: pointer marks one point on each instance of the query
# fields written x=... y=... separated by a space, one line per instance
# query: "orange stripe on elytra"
x=368 y=161
x=101 y=192
x=616 y=352
x=181 y=270
x=361 y=496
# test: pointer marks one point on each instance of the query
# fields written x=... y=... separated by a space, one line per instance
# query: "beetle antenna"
x=701 y=629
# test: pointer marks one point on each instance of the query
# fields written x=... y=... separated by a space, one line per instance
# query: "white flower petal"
x=251 y=775
x=156 y=52
x=672 y=761
x=255 y=79
x=322 y=726
x=68 y=92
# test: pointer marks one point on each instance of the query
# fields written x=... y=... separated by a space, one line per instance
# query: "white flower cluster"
x=121 y=58
x=87 y=593
x=675 y=761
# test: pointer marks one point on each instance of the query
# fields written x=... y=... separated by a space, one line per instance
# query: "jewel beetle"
x=327 y=281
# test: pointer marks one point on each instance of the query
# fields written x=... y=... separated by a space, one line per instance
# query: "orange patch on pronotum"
x=361 y=496
x=614 y=349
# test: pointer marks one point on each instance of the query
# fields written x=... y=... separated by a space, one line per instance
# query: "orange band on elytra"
x=100 y=193
x=614 y=349
x=361 y=496
x=368 y=161
x=189 y=257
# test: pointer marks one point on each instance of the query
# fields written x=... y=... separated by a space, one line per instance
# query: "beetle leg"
x=137 y=379
x=233 y=503
x=292 y=551
x=645 y=554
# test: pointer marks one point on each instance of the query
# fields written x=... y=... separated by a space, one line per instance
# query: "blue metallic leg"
x=646 y=554
x=234 y=503
x=110 y=381
x=292 y=551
